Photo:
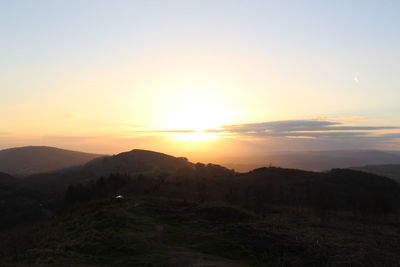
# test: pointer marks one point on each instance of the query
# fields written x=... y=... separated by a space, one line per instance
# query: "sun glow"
x=197 y=113
x=194 y=112
x=196 y=136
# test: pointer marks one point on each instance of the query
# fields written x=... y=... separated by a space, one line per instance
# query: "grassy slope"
x=162 y=232
x=388 y=170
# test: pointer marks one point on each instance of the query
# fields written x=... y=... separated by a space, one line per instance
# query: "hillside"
x=388 y=170
x=148 y=172
x=335 y=190
x=312 y=160
x=132 y=162
x=18 y=204
x=144 y=208
x=39 y=159
x=164 y=232
x=136 y=161
x=6 y=180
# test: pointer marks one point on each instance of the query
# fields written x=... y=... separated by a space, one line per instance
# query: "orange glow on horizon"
x=196 y=136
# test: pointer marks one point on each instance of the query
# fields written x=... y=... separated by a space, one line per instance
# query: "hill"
x=388 y=170
x=144 y=208
x=136 y=161
x=312 y=160
x=133 y=162
x=6 y=179
x=18 y=204
x=157 y=174
x=39 y=159
x=164 y=232
x=338 y=189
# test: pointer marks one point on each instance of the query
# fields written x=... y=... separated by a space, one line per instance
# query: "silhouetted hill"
x=39 y=159
x=7 y=179
x=388 y=170
x=158 y=174
x=142 y=231
x=313 y=160
x=18 y=205
x=144 y=208
x=9 y=186
x=137 y=161
x=336 y=189
x=133 y=162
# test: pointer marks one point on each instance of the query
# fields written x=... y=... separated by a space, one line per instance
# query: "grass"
x=167 y=232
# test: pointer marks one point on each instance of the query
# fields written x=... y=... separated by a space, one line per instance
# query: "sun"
x=194 y=113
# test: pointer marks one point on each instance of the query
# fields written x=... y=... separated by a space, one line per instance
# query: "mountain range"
x=38 y=159
x=145 y=208
x=311 y=160
x=387 y=170
x=176 y=176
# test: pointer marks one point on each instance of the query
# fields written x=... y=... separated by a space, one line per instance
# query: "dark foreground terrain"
x=143 y=208
x=165 y=232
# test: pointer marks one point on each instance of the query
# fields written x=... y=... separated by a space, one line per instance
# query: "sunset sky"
x=200 y=77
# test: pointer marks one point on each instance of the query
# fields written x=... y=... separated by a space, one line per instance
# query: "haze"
x=200 y=78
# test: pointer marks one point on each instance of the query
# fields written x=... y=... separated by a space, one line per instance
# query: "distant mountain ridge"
x=387 y=170
x=137 y=160
x=132 y=162
x=169 y=173
x=313 y=160
x=149 y=173
x=40 y=159
x=140 y=203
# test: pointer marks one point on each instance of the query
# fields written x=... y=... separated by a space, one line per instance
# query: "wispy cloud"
x=342 y=118
x=307 y=128
x=314 y=134
x=296 y=128
x=250 y=137
x=390 y=136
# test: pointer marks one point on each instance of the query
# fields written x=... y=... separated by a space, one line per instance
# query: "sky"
x=200 y=77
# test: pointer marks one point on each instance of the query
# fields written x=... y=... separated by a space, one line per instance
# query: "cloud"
x=307 y=128
x=308 y=134
x=314 y=129
x=281 y=126
x=389 y=136
x=295 y=126
x=342 y=118
x=315 y=135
